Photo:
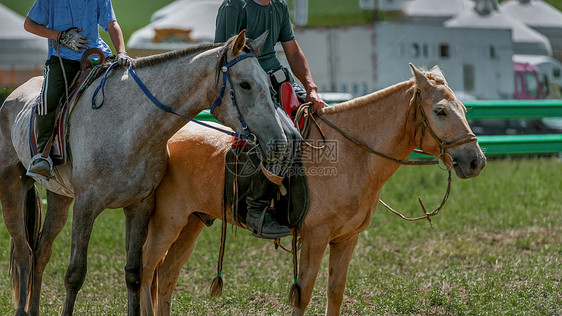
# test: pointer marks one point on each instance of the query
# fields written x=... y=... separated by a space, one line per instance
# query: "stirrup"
x=34 y=160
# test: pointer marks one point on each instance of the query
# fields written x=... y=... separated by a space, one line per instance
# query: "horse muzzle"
x=469 y=165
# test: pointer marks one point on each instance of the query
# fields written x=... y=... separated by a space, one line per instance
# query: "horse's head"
x=442 y=126
x=249 y=100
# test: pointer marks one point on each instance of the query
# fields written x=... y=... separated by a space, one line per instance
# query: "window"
x=518 y=83
x=493 y=54
x=415 y=50
x=468 y=77
x=444 y=50
x=531 y=84
x=556 y=72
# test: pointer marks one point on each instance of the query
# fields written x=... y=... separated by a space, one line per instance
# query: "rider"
x=70 y=27
x=258 y=16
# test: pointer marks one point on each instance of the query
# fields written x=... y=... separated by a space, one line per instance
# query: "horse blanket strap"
x=155 y=101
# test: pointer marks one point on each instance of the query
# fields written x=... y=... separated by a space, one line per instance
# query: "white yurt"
x=540 y=16
x=433 y=12
x=180 y=24
x=486 y=14
x=22 y=54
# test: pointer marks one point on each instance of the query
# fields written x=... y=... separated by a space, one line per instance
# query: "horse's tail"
x=32 y=217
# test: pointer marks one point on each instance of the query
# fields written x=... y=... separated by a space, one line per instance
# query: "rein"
x=443 y=145
x=249 y=137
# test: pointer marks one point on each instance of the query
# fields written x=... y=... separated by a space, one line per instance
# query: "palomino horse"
x=119 y=155
x=421 y=112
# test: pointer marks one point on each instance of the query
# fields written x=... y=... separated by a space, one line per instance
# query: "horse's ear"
x=239 y=42
x=258 y=42
x=437 y=71
x=421 y=80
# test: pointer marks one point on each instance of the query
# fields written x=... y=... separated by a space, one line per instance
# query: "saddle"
x=89 y=71
x=242 y=162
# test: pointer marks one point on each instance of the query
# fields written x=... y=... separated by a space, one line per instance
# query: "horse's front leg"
x=312 y=251
x=178 y=254
x=86 y=208
x=55 y=218
x=137 y=219
x=340 y=255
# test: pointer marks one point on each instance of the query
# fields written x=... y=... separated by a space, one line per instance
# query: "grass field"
x=495 y=249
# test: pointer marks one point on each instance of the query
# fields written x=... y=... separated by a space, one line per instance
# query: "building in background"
x=473 y=42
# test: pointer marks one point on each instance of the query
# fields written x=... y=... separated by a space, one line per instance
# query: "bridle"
x=443 y=145
x=249 y=137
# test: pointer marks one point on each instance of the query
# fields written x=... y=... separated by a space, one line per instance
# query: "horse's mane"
x=164 y=57
x=367 y=99
x=377 y=95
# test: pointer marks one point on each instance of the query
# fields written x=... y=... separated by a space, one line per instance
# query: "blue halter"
x=225 y=75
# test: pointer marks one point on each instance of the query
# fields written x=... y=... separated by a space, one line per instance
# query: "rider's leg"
x=265 y=184
x=51 y=93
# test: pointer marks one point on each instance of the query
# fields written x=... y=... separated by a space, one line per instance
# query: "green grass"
x=495 y=249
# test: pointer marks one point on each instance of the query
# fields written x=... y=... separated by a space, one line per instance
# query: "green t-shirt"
x=236 y=15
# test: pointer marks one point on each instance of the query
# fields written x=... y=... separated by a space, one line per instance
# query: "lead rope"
x=427 y=214
x=295 y=292
x=216 y=285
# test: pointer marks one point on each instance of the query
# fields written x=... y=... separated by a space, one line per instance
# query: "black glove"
x=73 y=40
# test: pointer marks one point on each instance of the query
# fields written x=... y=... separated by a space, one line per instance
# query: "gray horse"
x=119 y=156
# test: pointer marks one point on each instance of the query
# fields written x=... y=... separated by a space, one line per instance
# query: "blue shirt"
x=60 y=15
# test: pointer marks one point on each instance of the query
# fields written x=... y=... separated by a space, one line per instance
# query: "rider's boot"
x=40 y=166
x=259 y=218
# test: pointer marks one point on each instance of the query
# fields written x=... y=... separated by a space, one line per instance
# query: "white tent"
x=534 y=13
x=541 y=16
x=433 y=11
x=180 y=24
x=18 y=48
x=525 y=39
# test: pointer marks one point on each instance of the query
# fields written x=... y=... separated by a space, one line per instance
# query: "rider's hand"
x=124 y=60
x=317 y=103
x=73 y=40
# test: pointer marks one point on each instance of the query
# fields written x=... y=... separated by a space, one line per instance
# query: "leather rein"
x=443 y=145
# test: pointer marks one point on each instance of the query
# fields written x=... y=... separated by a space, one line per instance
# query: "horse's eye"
x=440 y=111
x=245 y=85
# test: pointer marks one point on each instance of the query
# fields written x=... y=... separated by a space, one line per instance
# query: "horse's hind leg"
x=340 y=256
x=177 y=256
x=165 y=226
x=22 y=216
x=55 y=218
